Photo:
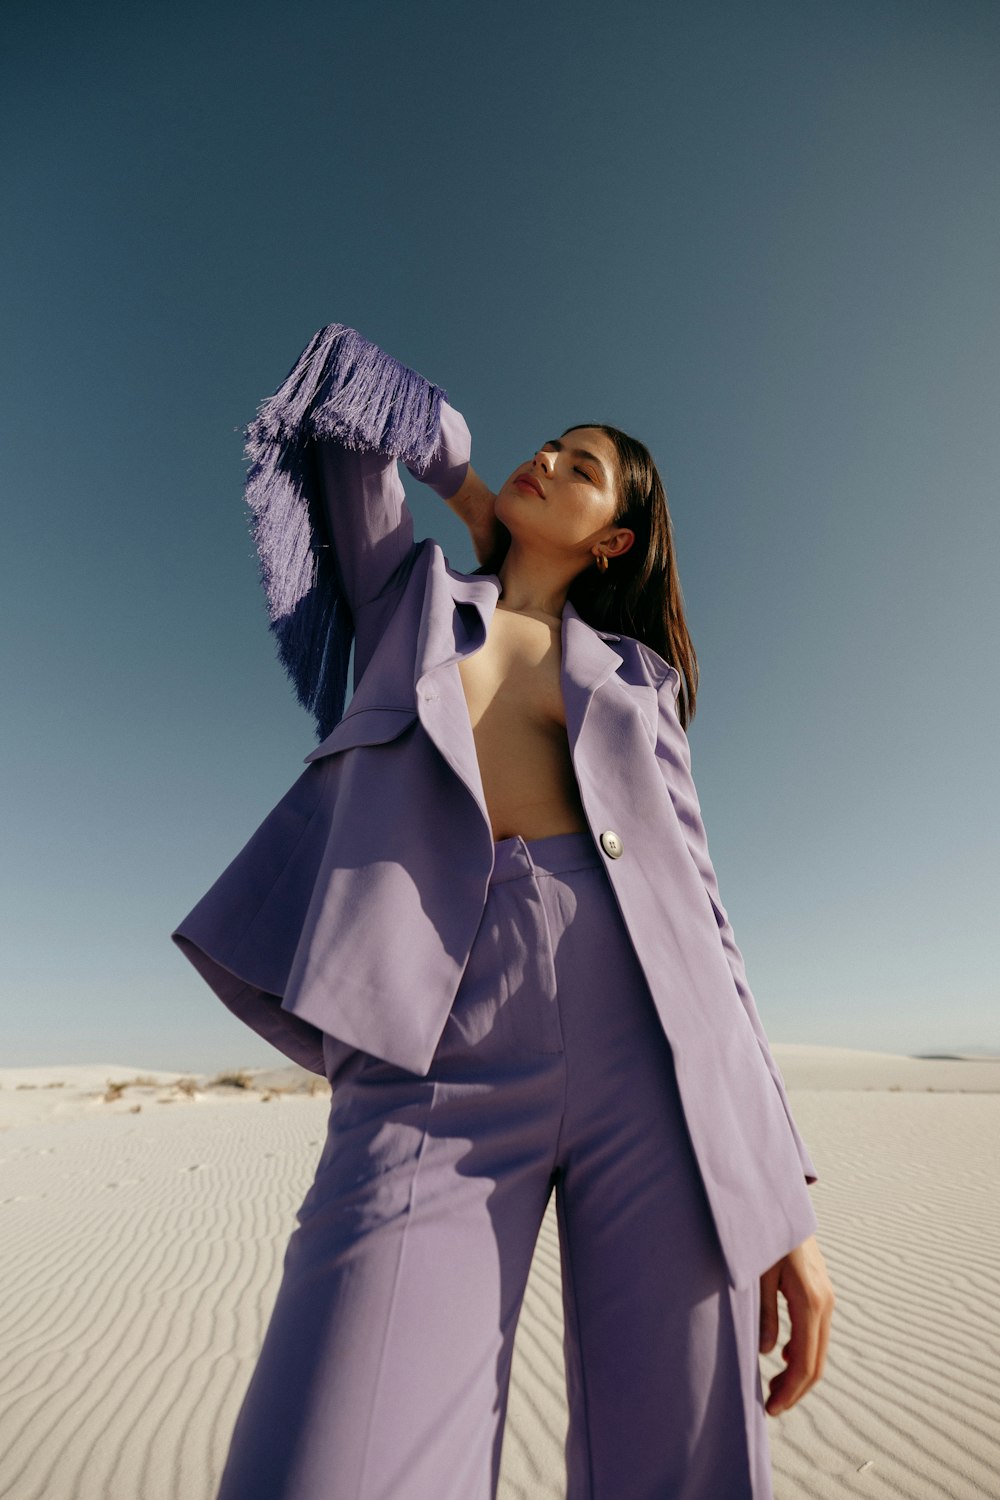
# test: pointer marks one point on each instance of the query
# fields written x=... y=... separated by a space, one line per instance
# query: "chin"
x=514 y=497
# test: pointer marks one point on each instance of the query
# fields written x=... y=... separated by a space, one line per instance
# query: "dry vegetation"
x=190 y=1088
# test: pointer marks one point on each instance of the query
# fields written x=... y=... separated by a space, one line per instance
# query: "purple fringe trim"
x=344 y=389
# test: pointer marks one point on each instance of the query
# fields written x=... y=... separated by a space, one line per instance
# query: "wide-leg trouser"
x=385 y=1367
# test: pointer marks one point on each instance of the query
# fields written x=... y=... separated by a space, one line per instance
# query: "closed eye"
x=557 y=445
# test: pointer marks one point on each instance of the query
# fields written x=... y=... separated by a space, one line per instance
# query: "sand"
x=143 y=1230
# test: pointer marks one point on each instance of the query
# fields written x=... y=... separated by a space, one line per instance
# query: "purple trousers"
x=385 y=1366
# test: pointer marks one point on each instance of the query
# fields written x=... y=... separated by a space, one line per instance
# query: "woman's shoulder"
x=660 y=672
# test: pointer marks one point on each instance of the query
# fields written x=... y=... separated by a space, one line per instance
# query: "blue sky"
x=763 y=238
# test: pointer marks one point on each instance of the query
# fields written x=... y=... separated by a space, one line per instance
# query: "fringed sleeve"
x=328 y=517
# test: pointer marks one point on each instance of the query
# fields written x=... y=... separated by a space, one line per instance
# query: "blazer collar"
x=455 y=613
x=447 y=634
x=588 y=658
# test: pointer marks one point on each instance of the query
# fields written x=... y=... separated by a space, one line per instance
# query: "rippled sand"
x=144 y=1225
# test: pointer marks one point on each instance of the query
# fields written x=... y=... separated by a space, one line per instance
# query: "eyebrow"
x=578 y=453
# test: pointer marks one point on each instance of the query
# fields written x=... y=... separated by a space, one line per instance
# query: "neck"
x=531 y=585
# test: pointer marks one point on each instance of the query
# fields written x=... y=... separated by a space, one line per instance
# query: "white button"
x=611 y=843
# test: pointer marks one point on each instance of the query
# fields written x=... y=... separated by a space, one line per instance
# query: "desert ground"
x=144 y=1217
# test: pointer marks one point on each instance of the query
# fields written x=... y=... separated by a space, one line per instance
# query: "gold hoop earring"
x=602 y=561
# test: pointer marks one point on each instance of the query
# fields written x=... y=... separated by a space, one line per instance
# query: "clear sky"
x=763 y=238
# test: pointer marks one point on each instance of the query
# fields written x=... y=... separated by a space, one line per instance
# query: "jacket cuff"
x=446 y=469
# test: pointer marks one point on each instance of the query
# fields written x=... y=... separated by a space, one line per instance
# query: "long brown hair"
x=640 y=592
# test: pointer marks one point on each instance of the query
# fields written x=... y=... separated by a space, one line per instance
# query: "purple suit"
x=348 y=917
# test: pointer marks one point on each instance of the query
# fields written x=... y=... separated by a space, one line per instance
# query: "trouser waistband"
x=517 y=856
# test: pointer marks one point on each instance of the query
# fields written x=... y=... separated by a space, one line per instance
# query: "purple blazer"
x=347 y=918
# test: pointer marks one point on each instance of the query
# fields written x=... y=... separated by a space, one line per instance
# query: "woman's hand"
x=806 y=1287
x=473 y=504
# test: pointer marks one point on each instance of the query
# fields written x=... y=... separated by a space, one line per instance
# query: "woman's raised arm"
x=329 y=517
x=473 y=504
x=451 y=475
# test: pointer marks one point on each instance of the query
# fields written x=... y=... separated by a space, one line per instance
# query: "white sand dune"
x=143 y=1236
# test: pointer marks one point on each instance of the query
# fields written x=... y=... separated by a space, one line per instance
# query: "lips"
x=529 y=480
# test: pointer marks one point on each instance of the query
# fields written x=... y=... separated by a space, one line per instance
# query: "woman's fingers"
x=769 y=1309
x=800 y=1354
x=802 y=1278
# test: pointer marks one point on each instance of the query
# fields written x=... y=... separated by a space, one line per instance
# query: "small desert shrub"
x=115 y=1090
x=238 y=1080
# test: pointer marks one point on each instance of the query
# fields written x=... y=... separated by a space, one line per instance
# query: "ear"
x=619 y=543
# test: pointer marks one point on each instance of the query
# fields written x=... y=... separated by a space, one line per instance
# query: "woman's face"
x=576 y=475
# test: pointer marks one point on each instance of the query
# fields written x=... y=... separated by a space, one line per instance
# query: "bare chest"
x=516 y=674
x=513 y=689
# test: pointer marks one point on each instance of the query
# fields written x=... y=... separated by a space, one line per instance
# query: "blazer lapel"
x=588 y=660
x=457 y=609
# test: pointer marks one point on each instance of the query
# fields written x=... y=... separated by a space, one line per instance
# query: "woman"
x=487 y=913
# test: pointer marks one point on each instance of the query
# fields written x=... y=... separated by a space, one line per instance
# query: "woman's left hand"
x=801 y=1276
